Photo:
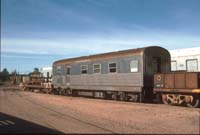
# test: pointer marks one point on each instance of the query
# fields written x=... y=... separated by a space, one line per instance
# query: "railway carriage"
x=121 y=75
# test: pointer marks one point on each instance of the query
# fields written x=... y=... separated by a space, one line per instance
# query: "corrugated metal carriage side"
x=122 y=75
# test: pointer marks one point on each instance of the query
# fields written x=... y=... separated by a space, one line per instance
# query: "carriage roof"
x=137 y=51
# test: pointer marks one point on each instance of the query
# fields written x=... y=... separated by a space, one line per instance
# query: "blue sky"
x=35 y=33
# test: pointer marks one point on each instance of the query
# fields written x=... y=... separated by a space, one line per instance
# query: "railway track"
x=65 y=115
x=9 y=101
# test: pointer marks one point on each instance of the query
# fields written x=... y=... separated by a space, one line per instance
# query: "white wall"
x=46 y=70
x=179 y=58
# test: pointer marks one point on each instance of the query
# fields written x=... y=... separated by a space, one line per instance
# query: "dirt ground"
x=30 y=112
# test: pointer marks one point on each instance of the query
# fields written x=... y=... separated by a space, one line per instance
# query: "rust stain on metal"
x=169 y=81
x=179 y=80
x=192 y=80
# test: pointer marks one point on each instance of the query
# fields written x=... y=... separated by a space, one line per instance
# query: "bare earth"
x=42 y=113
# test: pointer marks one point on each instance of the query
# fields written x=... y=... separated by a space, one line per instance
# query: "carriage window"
x=134 y=66
x=113 y=67
x=84 y=69
x=174 y=65
x=192 y=65
x=58 y=69
x=97 y=68
x=68 y=70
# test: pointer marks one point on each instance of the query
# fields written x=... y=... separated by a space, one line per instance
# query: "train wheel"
x=133 y=97
x=69 y=92
x=54 y=91
x=108 y=96
x=158 y=98
x=24 y=89
x=64 y=92
x=60 y=91
x=114 y=96
x=74 y=93
x=122 y=96
x=194 y=103
x=166 y=99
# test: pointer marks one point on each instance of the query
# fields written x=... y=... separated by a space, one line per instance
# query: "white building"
x=46 y=71
x=185 y=59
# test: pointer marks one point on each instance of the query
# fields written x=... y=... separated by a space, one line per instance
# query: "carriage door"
x=156 y=65
x=68 y=72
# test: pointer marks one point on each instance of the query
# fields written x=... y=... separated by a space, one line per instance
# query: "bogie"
x=192 y=101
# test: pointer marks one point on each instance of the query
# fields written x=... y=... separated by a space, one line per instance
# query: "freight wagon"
x=122 y=75
x=178 y=88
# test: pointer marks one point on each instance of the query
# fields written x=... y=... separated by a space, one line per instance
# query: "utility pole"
x=0 y=54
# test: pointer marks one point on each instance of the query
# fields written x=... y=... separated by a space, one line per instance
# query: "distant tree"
x=13 y=72
x=36 y=70
x=13 y=77
x=4 y=75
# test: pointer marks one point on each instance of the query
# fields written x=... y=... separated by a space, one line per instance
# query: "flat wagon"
x=121 y=75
